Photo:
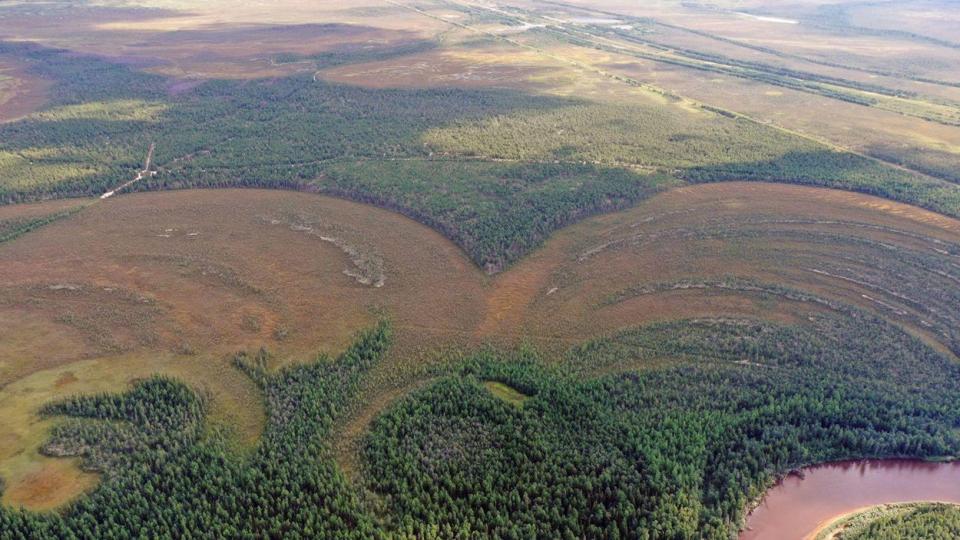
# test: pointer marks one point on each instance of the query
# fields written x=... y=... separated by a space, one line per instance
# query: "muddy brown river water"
x=797 y=506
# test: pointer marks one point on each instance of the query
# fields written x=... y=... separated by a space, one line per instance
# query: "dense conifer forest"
x=595 y=445
x=925 y=521
x=473 y=164
x=163 y=474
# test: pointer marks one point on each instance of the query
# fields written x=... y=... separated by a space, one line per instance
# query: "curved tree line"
x=597 y=445
x=495 y=170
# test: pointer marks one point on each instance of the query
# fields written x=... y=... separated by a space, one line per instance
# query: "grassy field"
x=506 y=393
x=217 y=40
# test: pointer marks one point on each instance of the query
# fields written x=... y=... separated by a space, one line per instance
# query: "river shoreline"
x=802 y=502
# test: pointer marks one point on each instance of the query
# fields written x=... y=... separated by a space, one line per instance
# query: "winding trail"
x=141 y=174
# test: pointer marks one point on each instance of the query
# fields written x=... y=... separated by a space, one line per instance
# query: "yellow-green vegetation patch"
x=117 y=110
x=37 y=482
x=506 y=393
x=39 y=167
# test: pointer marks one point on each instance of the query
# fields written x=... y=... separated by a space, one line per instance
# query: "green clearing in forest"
x=506 y=393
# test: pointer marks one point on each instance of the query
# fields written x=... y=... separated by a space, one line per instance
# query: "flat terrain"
x=215 y=39
x=175 y=282
x=20 y=92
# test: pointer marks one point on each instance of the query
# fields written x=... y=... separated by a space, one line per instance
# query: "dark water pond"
x=796 y=506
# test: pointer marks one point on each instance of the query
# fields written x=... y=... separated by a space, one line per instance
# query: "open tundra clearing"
x=175 y=282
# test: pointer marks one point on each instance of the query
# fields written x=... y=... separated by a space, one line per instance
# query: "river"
x=796 y=506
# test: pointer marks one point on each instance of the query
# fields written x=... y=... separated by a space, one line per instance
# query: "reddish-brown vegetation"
x=21 y=92
x=176 y=281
